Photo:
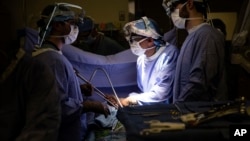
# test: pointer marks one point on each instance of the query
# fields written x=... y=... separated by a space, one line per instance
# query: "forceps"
x=100 y=93
x=157 y=126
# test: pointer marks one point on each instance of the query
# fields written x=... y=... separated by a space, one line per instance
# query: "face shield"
x=143 y=27
x=60 y=12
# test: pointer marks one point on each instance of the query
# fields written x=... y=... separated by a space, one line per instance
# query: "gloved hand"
x=128 y=101
x=95 y=106
x=112 y=100
x=86 y=89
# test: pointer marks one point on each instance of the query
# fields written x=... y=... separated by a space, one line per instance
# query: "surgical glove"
x=128 y=101
x=86 y=89
x=96 y=107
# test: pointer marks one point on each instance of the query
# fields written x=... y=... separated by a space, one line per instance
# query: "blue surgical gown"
x=155 y=76
x=171 y=36
x=200 y=65
x=70 y=93
x=29 y=103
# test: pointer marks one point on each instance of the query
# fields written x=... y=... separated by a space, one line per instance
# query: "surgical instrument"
x=157 y=126
x=117 y=98
x=100 y=93
x=237 y=107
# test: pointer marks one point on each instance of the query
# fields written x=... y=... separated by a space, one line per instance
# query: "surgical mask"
x=137 y=49
x=177 y=20
x=69 y=39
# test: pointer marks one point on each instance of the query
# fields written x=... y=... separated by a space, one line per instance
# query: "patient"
x=155 y=64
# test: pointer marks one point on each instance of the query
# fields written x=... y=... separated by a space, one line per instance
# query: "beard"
x=184 y=12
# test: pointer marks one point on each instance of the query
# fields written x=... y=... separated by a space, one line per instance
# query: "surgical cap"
x=87 y=25
x=143 y=27
x=56 y=13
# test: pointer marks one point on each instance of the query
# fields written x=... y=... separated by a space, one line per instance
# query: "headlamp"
x=170 y=5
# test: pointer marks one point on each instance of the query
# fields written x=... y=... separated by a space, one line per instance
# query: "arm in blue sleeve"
x=164 y=76
x=69 y=89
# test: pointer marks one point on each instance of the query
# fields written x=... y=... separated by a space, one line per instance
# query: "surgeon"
x=89 y=39
x=58 y=26
x=200 y=65
x=29 y=100
x=155 y=64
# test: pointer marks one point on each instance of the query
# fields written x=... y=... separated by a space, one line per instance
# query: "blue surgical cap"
x=87 y=25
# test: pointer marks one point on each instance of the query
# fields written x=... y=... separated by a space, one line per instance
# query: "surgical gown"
x=155 y=76
x=29 y=103
x=171 y=36
x=70 y=93
x=200 y=65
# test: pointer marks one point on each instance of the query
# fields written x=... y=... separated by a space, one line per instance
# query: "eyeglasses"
x=136 y=38
x=71 y=22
